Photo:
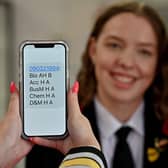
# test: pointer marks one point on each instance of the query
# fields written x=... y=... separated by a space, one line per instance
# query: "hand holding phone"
x=43 y=88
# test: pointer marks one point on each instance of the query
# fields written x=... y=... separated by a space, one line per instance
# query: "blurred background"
x=68 y=20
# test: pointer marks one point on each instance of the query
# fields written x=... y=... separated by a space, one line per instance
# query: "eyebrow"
x=147 y=44
x=114 y=37
x=140 y=43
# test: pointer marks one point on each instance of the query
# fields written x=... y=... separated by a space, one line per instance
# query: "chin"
x=125 y=98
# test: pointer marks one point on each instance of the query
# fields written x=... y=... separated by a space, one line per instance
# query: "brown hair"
x=86 y=75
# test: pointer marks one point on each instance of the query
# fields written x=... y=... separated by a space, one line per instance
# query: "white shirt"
x=108 y=125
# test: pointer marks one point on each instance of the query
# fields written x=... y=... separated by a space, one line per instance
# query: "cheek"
x=105 y=60
x=101 y=69
x=148 y=71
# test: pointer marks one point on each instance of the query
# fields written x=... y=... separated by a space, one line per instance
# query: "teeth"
x=123 y=79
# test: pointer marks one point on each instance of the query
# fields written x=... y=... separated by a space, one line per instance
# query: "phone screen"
x=44 y=89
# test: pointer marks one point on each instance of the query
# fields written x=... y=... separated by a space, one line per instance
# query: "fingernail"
x=12 y=87
x=75 y=87
x=31 y=139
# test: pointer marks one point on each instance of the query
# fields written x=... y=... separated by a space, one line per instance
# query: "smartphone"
x=43 y=88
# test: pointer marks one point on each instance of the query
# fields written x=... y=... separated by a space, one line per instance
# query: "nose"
x=127 y=59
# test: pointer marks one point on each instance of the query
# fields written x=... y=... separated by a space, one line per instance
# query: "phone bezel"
x=21 y=82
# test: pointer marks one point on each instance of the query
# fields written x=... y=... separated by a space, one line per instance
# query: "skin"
x=14 y=148
x=77 y=125
x=125 y=60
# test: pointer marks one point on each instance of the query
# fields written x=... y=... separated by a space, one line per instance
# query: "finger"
x=73 y=105
x=56 y=144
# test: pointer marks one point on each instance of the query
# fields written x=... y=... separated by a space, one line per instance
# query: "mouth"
x=123 y=80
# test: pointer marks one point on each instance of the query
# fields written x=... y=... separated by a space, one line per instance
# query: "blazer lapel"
x=153 y=131
x=89 y=112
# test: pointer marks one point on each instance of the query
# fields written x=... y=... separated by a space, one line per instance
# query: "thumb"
x=73 y=105
x=13 y=107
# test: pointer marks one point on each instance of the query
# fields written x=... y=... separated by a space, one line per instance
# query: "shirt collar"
x=136 y=122
x=108 y=124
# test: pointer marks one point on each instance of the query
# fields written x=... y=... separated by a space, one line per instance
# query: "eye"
x=114 y=45
x=145 y=52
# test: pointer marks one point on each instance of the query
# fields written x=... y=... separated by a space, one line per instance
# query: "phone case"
x=40 y=43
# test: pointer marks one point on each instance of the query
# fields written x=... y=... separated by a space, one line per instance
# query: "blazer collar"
x=152 y=129
x=89 y=112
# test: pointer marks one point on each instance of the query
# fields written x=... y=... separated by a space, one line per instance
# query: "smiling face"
x=125 y=58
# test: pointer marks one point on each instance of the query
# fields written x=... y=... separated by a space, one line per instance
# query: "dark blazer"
x=43 y=157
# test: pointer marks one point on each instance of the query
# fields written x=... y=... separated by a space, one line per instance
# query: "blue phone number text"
x=44 y=68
